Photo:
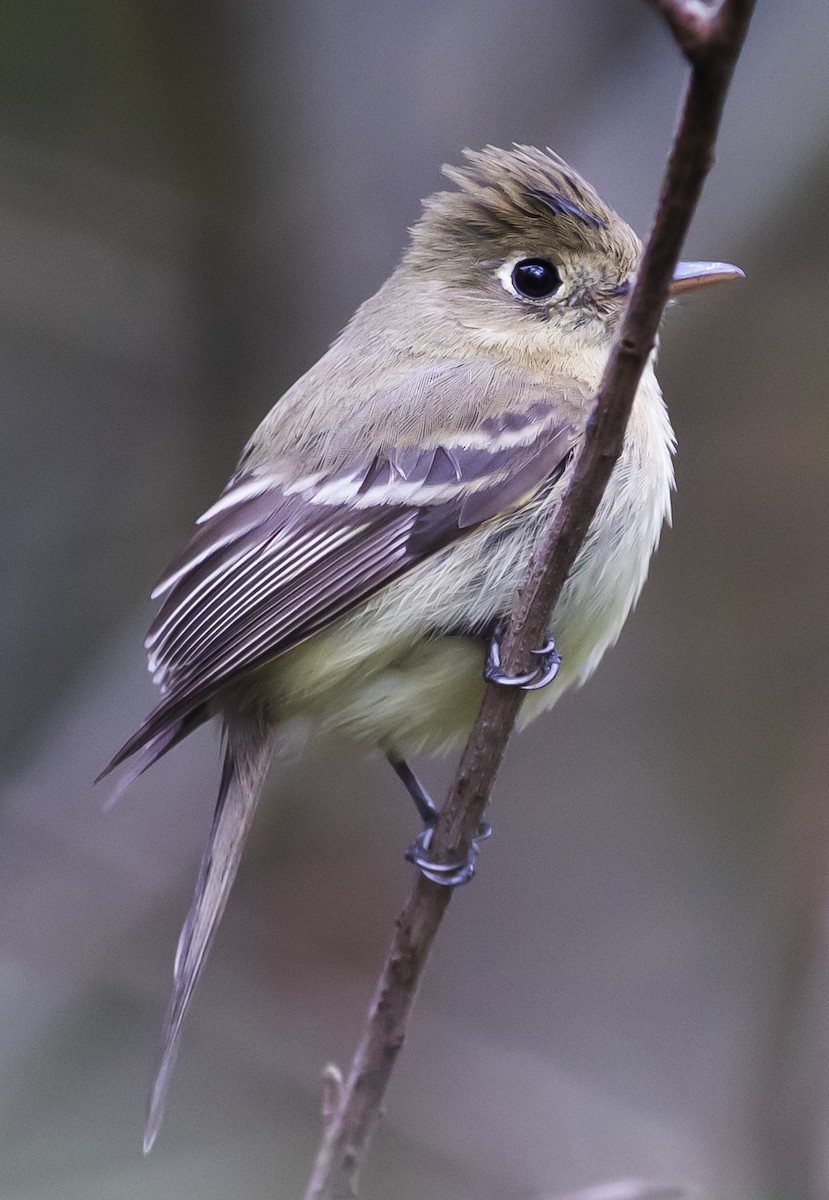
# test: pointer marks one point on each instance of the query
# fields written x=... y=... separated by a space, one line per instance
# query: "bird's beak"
x=689 y=276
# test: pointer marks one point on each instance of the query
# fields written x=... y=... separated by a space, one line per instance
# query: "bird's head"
x=527 y=257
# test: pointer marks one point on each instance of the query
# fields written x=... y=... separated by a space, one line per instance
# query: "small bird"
x=357 y=567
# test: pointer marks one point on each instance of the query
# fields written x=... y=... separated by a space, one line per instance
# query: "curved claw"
x=549 y=661
x=496 y=675
x=446 y=874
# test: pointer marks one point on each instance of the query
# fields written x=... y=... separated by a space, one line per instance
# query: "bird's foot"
x=447 y=874
x=544 y=672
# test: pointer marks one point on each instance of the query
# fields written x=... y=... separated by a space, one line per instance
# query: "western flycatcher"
x=356 y=567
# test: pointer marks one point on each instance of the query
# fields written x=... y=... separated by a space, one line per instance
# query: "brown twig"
x=690 y=22
x=711 y=38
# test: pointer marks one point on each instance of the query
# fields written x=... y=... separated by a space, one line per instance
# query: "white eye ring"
x=506 y=277
x=505 y=274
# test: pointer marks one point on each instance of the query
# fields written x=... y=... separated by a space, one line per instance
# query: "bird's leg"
x=544 y=672
x=423 y=801
x=448 y=874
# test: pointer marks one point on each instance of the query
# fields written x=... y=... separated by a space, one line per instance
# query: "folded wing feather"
x=281 y=555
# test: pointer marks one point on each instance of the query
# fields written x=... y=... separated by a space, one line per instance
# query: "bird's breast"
x=396 y=670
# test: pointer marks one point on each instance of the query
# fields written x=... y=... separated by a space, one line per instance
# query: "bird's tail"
x=249 y=743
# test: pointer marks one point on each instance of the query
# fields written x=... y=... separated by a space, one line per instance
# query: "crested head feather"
x=523 y=196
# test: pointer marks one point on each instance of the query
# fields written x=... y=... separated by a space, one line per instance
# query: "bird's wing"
x=280 y=556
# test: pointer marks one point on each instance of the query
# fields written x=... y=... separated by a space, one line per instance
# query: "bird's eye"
x=535 y=278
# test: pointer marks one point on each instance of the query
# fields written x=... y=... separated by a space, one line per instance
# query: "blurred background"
x=193 y=199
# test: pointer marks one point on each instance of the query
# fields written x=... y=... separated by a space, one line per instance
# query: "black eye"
x=535 y=278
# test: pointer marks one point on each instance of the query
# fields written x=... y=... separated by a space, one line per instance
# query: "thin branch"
x=702 y=29
x=716 y=46
x=690 y=22
x=731 y=22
